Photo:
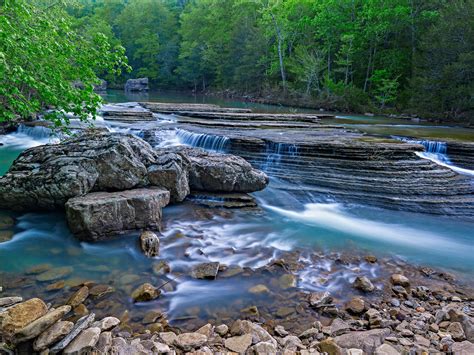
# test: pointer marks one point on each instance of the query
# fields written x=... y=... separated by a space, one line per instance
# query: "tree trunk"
x=280 y=52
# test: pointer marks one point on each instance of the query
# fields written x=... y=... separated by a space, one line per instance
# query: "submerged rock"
x=145 y=292
x=99 y=215
x=363 y=283
x=206 y=271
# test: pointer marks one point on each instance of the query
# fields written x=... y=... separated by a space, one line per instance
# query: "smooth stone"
x=84 y=342
x=398 y=279
x=21 y=314
x=259 y=289
x=38 y=269
x=338 y=327
x=161 y=268
x=206 y=271
x=356 y=305
x=152 y=317
x=263 y=347
x=107 y=323
x=81 y=310
x=104 y=344
x=80 y=325
x=456 y=330
x=55 y=274
x=205 y=330
x=78 y=297
x=240 y=327
x=422 y=341
x=39 y=325
x=239 y=344
x=463 y=348
x=145 y=292
x=99 y=291
x=222 y=329
x=366 y=340
x=386 y=349
x=52 y=335
x=287 y=281
x=168 y=338
x=56 y=286
x=190 y=341
x=363 y=283
x=150 y=244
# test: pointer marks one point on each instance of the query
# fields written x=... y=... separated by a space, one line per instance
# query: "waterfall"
x=28 y=136
x=275 y=151
x=201 y=140
x=35 y=132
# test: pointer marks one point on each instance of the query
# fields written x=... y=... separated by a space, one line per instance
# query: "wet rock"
x=99 y=215
x=150 y=244
x=263 y=347
x=206 y=330
x=456 y=331
x=20 y=315
x=363 y=283
x=259 y=289
x=370 y=259
x=169 y=338
x=217 y=172
x=190 y=341
x=55 y=274
x=56 y=286
x=329 y=346
x=259 y=334
x=6 y=235
x=35 y=328
x=9 y=301
x=374 y=317
x=319 y=299
x=398 y=279
x=400 y=291
x=356 y=305
x=52 y=335
x=386 y=349
x=206 y=271
x=38 y=269
x=104 y=344
x=99 y=291
x=222 y=329
x=84 y=342
x=161 y=267
x=152 y=317
x=239 y=344
x=172 y=173
x=366 y=340
x=250 y=312
x=145 y=292
x=78 y=297
x=287 y=281
x=6 y=221
x=107 y=323
x=80 y=325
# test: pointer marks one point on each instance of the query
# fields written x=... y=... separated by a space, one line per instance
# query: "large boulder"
x=99 y=215
x=45 y=177
x=216 y=172
x=140 y=84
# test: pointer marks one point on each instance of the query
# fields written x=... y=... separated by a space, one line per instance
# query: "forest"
x=413 y=56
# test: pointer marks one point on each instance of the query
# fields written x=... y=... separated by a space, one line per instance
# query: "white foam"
x=442 y=160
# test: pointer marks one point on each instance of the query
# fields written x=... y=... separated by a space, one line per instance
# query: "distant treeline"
x=412 y=55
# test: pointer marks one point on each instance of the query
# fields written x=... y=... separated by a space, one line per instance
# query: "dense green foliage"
x=397 y=55
x=45 y=63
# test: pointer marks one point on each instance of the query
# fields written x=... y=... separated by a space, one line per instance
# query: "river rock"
x=145 y=292
x=239 y=344
x=84 y=342
x=386 y=349
x=45 y=177
x=9 y=301
x=222 y=329
x=6 y=235
x=463 y=348
x=363 y=283
x=20 y=315
x=217 y=172
x=240 y=327
x=456 y=331
x=190 y=341
x=104 y=343
x=78 y=297
x=172 y=173
x=338 y=327
x=206 y=271
x=52 y=335
x=107 y=323
x=330 y=347
x=319 y=299
x=55 y=274
x=99 y=215
x=139 y=84
x=80 y=325
x=264 y=347
x=356 y=305
x=366 y=340
x=39 y=325
x=259 y=289
x=161 y=267
x=398 y=279
x=150 y=244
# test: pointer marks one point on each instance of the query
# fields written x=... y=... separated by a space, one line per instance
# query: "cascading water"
x=201 y=140
x=275 y=152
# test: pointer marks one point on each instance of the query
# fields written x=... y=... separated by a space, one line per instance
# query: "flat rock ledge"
x=111 y=183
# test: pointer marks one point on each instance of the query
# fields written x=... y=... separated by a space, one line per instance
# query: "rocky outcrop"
x=126 y=112
x=99 y=215
x=140 y=84
x=101 y=87
x=217 y=172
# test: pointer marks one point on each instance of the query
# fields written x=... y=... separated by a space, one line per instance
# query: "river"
x=321 y=228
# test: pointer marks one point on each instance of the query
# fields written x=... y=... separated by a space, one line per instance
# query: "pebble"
x=363 y=283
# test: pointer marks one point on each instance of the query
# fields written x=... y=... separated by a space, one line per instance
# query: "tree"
x=41 y=57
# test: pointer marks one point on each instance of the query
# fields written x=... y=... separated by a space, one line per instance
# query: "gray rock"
x=80 y=325
x=338 y=327
x=107 y=323
x=239 y=344
x=206 y=271
x=145 y=292
x=386 y=349
x=52 y=335
x=222 y=329
x=171 y=172
x=366 y=340
x=363 y=283
x=264 y=347
x=463 y=348
x=190 y=341
x=139 y=84
x=99 y=215
x=45 y=177
x=291 y=343
x=104 y=344
x=356 y=305
x=217 y=172
x=150 y=244
x=10 y=301
x=456 y=330
x=320 y=299
x=259 y=334
x=398 y=279
x=168 y=338
x=83 y=343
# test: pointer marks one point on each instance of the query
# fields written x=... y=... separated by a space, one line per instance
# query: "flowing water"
x=318 y=227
